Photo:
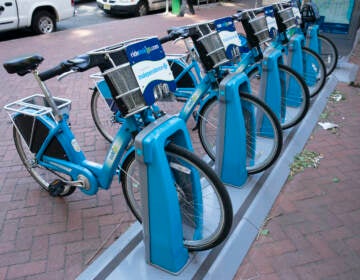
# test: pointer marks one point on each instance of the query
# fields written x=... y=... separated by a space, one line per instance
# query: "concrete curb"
x=251 y=205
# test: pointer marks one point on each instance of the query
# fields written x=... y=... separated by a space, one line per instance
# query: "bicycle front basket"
x=310 y=12
x=138 y=71
x=209 y=46
x=226 y=30
x=125 y=89
x=260 y=29
x=287 y=17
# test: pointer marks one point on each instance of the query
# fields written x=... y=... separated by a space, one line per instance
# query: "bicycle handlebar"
x=53 y=72
x=240 y=13
x=178 y=32
x=78 y=64
x=175 y=33
x=85 y=61
x=165 y=39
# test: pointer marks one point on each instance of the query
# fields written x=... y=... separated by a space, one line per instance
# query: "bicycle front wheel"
x=314 y=71
x=104 y=118
x=263 y=132
x=328 y=53
x=42 y=175
x=295 y=97
x=215 y=216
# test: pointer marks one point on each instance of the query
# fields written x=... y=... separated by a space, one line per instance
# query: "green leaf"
x=305 y=159
x=336 y=180
x=265 y=232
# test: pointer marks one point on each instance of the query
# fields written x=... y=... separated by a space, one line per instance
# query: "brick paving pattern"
x=54 y=238
x=314 y=226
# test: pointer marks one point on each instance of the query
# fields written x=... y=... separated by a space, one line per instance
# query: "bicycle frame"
x=203 y=92
x=78 y=167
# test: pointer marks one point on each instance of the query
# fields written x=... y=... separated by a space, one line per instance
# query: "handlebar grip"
x=53 y=72
x=165 y=39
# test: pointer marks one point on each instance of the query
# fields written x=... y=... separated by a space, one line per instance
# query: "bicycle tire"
x=103 y=117
x=328 y=53
x=187 y=81
x=261 y=150
x=314 y=71
x=299 y=95
x=213 y=190
x=41 y=175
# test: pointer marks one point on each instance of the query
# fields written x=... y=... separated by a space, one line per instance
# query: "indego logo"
x=144 y=50
x=224 y=24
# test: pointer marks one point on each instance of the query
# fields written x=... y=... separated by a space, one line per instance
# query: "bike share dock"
x=125 y=258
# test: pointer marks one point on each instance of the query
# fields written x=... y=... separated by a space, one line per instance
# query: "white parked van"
x=40 y=15
x=132 y=7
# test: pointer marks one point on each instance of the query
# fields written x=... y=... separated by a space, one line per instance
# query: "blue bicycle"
x=292 y=42
x=322 y=45
x=199 y=94
x=52 y=156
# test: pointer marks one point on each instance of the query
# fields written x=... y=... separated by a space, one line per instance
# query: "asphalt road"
x=87 y=13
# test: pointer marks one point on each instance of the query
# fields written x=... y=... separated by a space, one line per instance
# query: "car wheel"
x=142 y=9
x=43 y=22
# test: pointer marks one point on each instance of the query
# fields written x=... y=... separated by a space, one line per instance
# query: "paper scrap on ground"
x=337 y=97
x=327 y=125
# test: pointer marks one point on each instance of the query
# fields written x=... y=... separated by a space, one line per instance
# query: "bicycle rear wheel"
x=328 y=53
x=263 y=145
x=295 y=97
x=216 y=215
x=314 y=71
x=42 y=175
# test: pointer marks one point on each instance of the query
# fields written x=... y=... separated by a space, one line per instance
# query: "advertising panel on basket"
x=228 y=36
x=151 y=69
x=271 y=21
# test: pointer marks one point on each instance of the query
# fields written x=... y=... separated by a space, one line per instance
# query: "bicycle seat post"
x=48 y=96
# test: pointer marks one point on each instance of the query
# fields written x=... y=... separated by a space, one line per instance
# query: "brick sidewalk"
x=52 y=238
x=313 y=230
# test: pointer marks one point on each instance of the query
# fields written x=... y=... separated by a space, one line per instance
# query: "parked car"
x=40 y=15
x=131 y=7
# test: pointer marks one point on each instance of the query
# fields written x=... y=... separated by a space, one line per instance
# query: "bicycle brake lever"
x=178 y=39
x=65 y=74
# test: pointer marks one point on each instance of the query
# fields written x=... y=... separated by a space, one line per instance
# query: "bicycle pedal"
x=56 y=188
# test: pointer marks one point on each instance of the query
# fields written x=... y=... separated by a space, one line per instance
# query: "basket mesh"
x=260 y=28
x=125 y=89
x=288 y=18
x=214 y=47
